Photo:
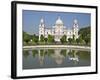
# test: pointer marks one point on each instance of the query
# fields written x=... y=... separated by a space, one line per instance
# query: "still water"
x=54 y=58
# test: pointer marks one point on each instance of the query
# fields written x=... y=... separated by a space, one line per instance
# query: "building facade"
x=58 y=30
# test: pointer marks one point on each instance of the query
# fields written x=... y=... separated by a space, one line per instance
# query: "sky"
x=31 y=19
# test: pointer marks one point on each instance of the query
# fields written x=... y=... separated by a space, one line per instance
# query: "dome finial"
x=59 y=21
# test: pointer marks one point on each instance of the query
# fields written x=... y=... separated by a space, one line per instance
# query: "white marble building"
x=58 y=30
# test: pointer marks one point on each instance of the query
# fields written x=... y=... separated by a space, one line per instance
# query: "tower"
x=75 y=28
x=41 y=28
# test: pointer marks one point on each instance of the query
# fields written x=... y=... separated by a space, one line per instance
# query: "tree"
x=41 y=38
x=63 y=39
x=77 y=40
x=84 y=31
x=50 y=39
x=87 y=39
x=73 y=39
x=81 y=40
x=70 y=40
x=26 y=37
x=31 y=36
x=35 y=38
x=45 y=39
x=85 y=34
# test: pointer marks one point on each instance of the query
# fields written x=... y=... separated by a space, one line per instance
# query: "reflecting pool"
x=54 y=58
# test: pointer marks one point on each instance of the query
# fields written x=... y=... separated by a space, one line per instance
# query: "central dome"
x=59 y=21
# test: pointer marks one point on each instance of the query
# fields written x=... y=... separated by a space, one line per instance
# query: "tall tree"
x=63 y=39
x=73 y=39
x=70 y=40
x=77 y=40
x=50 y=38
x=85 y=34
x=41 y=38
x=35 y=38
x=45 y=39
x=87 y=39
x=26 y=37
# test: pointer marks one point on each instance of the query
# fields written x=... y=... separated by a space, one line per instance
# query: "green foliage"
x=73 y=37
x=41 y=38
x=45 y=39
x=31 y=36
x=63 y=39
x=77 y=40
x=26 y=37
x=50 y=39
x=35 y=38
x=29 y=39
x=70 y=40
x=85 y=34
x=85 y=31
x=87 y=39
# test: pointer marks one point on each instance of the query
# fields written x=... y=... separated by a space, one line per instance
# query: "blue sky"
x=31 y=19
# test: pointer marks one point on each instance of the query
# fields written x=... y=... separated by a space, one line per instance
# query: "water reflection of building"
x=41 y=58
x=58 y=57
x=74 y=57
x=46 y=58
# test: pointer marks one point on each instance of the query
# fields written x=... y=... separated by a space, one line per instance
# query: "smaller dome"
x=59 y=21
